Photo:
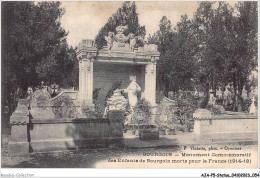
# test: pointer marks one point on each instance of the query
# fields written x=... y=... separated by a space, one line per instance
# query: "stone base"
x=68 y=144
x=18 y=147
x=116 y=142
x=228 y=138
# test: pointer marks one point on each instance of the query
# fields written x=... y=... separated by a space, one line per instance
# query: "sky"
x=83 y=20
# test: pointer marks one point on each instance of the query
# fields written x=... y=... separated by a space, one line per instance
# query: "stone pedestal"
x=153 y=114
x=199 y=116
x=18 y=142
x=116 y=138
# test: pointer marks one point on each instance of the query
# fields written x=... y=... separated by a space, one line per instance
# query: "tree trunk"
x=240 y=100
x=239 y=96
x=235 y=96
x=206 y=93
x=167 y=87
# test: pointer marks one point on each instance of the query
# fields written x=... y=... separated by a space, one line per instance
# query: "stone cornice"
x=146 y=54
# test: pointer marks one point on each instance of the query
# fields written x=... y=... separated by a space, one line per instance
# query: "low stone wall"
x=205 y=123
x=63 y=134
x=37 y=135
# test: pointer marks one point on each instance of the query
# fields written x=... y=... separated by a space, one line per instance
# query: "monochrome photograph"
x=129 y=84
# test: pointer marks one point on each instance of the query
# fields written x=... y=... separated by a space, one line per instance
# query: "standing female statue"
x=132 y=90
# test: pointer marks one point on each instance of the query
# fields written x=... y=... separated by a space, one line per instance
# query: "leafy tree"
x=60 y=67
x=216 y=48
x=183 y=59
x=125 y=15
x=245 y=53
x=209 y=55
x=228 y=45
x=164 y=41
x=176 y=59
x=34 y=47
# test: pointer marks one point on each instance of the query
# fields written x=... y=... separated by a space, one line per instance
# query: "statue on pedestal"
x=252 y=109
x=227 y=97
x=219 y=94
x=212 y=99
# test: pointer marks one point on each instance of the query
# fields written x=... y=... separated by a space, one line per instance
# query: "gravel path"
x=88 y=158
x=69 y=159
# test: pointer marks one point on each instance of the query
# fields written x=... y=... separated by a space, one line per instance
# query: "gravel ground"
x=69 y=159
x=81 y=158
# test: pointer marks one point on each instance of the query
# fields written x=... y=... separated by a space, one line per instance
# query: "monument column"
x=84 y=79
x=150 y=82
x=86 y=54
x=153 y=81
x=80 y=79
x=91 y=79
x=87 y=80
x=147 y=81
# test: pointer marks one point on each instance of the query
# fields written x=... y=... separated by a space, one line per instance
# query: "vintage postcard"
x=140 y=84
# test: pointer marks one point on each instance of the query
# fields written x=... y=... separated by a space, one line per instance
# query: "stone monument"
x=40 y=104
x=116 y=62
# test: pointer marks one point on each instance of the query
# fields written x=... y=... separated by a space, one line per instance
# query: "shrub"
x=97 y=108
x=62 y=101
x=216 y=109
x=167 y=117
x=142 y=112
x=88 y=110
x=96 y=93
x=187 y=106
x=164 y=115
x=115 y=86
x=246 y=104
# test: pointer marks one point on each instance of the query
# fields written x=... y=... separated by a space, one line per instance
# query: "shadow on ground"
x=163 y=142
x=74 y=159
x=92 y=157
